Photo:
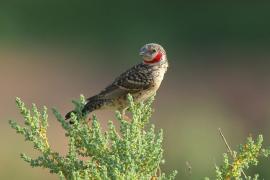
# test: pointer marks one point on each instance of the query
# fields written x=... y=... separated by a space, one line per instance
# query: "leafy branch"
x=235 y=163
x=133 y=152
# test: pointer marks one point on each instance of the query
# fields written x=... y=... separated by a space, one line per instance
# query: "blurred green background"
x=52 y=51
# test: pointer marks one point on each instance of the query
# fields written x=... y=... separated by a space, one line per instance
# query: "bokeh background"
x=53 y=51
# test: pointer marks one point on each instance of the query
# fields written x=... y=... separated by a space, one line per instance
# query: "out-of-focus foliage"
x=234 y=167
x=133 y=153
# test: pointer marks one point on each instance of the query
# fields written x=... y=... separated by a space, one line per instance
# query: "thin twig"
x=229 y=149
x=158 y=173
x=226 y=143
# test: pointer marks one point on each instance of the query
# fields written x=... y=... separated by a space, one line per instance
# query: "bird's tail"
x=68 y=115
x=91 y=105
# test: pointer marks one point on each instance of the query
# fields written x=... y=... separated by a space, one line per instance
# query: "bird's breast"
x=157 y=76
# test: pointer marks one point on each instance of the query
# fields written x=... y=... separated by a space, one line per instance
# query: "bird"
x=141 y=81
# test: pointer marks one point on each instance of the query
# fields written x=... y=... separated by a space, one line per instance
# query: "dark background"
x=50 y=52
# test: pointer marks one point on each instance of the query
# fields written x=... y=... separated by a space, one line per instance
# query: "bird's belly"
x=145 y=94
x=142 y=96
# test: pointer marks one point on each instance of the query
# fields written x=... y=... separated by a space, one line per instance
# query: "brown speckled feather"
x=141 y=81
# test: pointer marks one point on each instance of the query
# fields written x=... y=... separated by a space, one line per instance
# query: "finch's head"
x=152 y=53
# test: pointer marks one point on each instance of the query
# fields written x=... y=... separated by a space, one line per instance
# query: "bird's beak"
x=141 y=53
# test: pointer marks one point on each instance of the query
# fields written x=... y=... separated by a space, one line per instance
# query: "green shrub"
x=135 y=152
x=235 y=163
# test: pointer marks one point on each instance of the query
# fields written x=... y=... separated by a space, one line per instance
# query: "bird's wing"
x=134 y=80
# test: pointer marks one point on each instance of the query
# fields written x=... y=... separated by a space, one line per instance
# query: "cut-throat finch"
x=141 y=81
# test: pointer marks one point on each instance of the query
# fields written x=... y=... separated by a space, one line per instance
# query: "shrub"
x=133 y=152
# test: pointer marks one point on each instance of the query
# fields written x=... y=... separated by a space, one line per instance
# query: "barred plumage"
x=141 y=81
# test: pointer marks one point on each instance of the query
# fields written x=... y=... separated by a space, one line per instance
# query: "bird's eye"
x=153 y=50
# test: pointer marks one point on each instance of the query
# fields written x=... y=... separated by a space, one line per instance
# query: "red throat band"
x=156 y=59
